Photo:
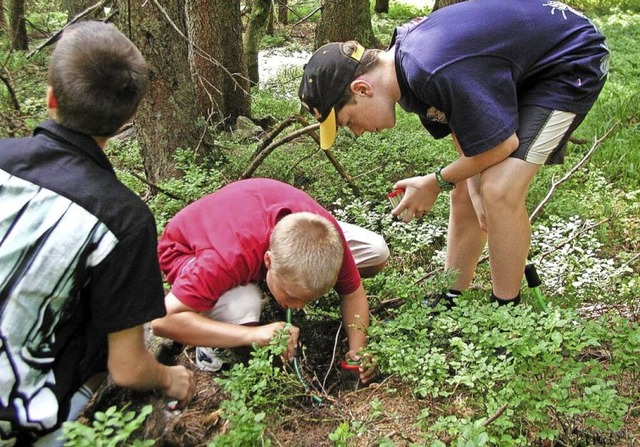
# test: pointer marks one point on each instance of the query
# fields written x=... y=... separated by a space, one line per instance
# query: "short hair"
x=368 y=62
x=307 y=251
x=98 y=77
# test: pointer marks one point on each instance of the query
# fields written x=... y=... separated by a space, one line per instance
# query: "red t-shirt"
x=218 y=242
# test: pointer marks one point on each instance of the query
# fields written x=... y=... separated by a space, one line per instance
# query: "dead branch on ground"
x=569 y=174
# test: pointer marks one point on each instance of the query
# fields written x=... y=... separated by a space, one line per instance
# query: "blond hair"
x=306 y=250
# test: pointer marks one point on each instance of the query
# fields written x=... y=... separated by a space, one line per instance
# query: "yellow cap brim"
x=328 y=130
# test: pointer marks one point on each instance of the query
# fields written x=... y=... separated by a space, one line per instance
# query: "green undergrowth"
x=560 y=376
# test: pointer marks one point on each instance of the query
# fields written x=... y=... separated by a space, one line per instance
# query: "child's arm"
x=184 y=325
x=131 y=365
x=355 y=318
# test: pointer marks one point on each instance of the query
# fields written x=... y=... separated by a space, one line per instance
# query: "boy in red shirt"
x=215 y=250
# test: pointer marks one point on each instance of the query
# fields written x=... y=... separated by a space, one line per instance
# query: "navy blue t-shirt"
x=467 y=68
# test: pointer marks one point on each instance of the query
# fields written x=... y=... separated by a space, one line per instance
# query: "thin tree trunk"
x=3 y=24
x=255 y=31
x=283 y=12
x=19 y=38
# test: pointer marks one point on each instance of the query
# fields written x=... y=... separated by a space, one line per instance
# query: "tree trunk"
x=337 y=26
x=217 y=60
x=255 y=30
x=19 y=38
x=283 y=12
x=439 y=4
x=167 y=118
x=3 y=24
x=382 y=6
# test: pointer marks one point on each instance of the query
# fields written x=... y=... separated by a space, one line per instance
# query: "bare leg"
x=465 y=238
x=504 y=190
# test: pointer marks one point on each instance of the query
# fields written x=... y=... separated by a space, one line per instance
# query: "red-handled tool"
x=353 y=365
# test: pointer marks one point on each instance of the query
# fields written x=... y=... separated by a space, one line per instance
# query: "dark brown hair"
x=368 y=62
x=98 y=77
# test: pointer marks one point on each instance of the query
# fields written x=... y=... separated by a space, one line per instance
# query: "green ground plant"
x=111 y=428
x=255 y=388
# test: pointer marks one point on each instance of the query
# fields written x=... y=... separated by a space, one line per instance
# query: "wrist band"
x=442 y=183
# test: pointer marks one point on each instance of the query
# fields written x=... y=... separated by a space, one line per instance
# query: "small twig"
x=333 y=357
x=582 y=231
x=297 y=163
x=156 y=187
x=569 y=174
x=377 y=168
x=495 y=415
x=632 y=260
x=305 y=18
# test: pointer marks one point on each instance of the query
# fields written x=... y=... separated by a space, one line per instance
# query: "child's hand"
x=420 y=195
x=368 y=367
x=264 y=334
x=181 y=385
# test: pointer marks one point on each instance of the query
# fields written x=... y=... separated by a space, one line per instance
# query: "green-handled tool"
x=296 y=366
x=533 y=281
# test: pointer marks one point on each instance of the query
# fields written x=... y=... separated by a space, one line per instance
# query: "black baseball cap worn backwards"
x=326 y=76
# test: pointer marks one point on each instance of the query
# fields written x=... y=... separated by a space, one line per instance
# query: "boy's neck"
x=388 y=74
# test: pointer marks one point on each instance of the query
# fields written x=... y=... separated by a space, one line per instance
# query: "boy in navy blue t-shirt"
x=509 y=80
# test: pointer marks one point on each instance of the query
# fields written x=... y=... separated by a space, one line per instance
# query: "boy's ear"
x=361 y=87
x=52 y=101
x=267 y=259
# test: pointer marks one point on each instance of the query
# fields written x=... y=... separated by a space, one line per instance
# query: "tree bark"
x=3 y=24
x=217 y=60
x=167 y=117
x=381 y=6
x=337 y=26
x=19 y=38
x=283 y=12
x=255 y=30
x=439 y=4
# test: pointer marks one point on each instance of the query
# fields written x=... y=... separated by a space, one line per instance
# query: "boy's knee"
x=240 y=305
x=379 y=250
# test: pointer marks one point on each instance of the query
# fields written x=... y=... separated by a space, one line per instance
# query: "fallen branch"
x=305 y=18
x=12 y=93
x=569 y=174
x=257 y=161
x=495 y=415
x=157 y=188
x=273 y=134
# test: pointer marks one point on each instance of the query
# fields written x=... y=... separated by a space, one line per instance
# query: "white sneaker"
x=212 y=359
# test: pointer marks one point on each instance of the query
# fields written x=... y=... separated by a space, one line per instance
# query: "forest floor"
x=303 y=422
